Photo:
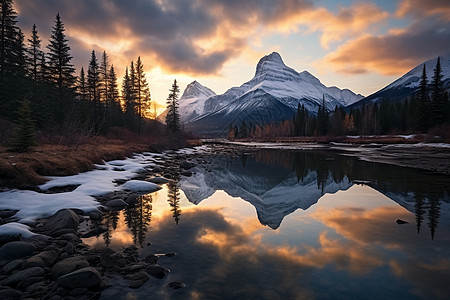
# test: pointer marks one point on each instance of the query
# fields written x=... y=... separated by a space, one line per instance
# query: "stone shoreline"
x=56 y=264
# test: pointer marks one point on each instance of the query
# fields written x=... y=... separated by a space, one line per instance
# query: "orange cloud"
x=420 y=8
x=347 y=22
x=393 y=53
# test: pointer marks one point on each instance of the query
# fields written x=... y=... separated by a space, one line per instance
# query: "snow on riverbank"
x=32 y=205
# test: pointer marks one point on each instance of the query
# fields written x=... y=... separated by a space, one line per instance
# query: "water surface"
x=275 y=224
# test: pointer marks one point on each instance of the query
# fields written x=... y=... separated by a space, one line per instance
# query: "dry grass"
x=23 y=170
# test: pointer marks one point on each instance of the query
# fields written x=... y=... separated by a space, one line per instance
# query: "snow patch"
x=140 y=186
x=15 y=228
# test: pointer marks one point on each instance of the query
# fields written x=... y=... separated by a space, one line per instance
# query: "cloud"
x=393 y=53
x=192 y=37
x=420 y=8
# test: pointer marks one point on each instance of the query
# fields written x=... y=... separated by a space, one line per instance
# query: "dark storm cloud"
x=168 y=30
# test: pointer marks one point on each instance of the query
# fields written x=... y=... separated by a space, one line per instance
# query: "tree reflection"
x=138 y=218
x=173 y=197
x=110 y=220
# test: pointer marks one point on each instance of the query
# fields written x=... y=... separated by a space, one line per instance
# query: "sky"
x=360 y=45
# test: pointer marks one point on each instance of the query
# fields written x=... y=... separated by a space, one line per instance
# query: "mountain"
x=192 y=102
x=408 y=83
x=273 y=94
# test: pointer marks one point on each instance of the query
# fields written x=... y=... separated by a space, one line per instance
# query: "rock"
x=109 y=258
x=63 y=221
x=18 y=249
x=43 y=259
x=159 y=180
x=7 y=238
x=82 y=278
x=69 y=265
x=10 y=294
x=11 y=266
x=22 y=275
x=186 y=165
x=7 y=213
x=95 y=215
x=186 y=173
x=73 y=238
x=401 y=222
x=136 y=280
x=157 y=271
x=116 y=204
x=132 y=199
x=170 y=254
x=29 y=281
x=176 y=285
x=95 y=232
x=151 y=258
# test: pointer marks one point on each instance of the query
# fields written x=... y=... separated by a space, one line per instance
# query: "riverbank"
x=405 y=151
x=25 y=170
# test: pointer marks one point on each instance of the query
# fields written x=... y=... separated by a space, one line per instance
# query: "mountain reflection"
x=279 y=182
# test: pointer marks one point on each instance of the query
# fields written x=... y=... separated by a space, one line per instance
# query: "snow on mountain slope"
x=287 y=85
x=408 y=83
x=192 y=102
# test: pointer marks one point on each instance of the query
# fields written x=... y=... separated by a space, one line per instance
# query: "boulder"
x=157 y=271
x=43 y=259
x=82 y=278
x=186 y=165
x=11 y=266
x=22 y=275
x=69 y=265
x=16 y=249
x=159 y=180
x=95 y=215
x=95 y=232
x=116 y=204
x=10 y=294
x=109 y=258
x=176 y=285
x=63 y=221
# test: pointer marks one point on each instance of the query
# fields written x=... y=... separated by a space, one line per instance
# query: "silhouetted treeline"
x=427 y=108
x=61 y=102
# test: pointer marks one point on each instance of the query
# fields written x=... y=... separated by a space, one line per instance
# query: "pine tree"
x=127 y=94
x=60 y=69
x=24 y=135
x=423 y=105
x=82 y=86
x=43 y=69
x=437 y=95
x=113 y=98
x=9 y=40
x=142 y=91
x=322 y=119
x=34 y=54
x=104 y=86
x=93 y=81
x=173 y=117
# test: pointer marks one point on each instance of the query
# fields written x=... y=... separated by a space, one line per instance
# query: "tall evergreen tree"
x=24 y=135
x=61 y=71
x=437 y=95
x=142 y=91
x=113 y=98
x=82 y=86
x=9 y=40
x=104 y=86
x=93 y=81
x=128 y=100
x=34 y=54
x=423 y=105
x=173 y=117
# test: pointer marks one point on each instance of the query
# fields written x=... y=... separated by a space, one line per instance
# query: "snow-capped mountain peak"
x=269 y=62
x=196 y=90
